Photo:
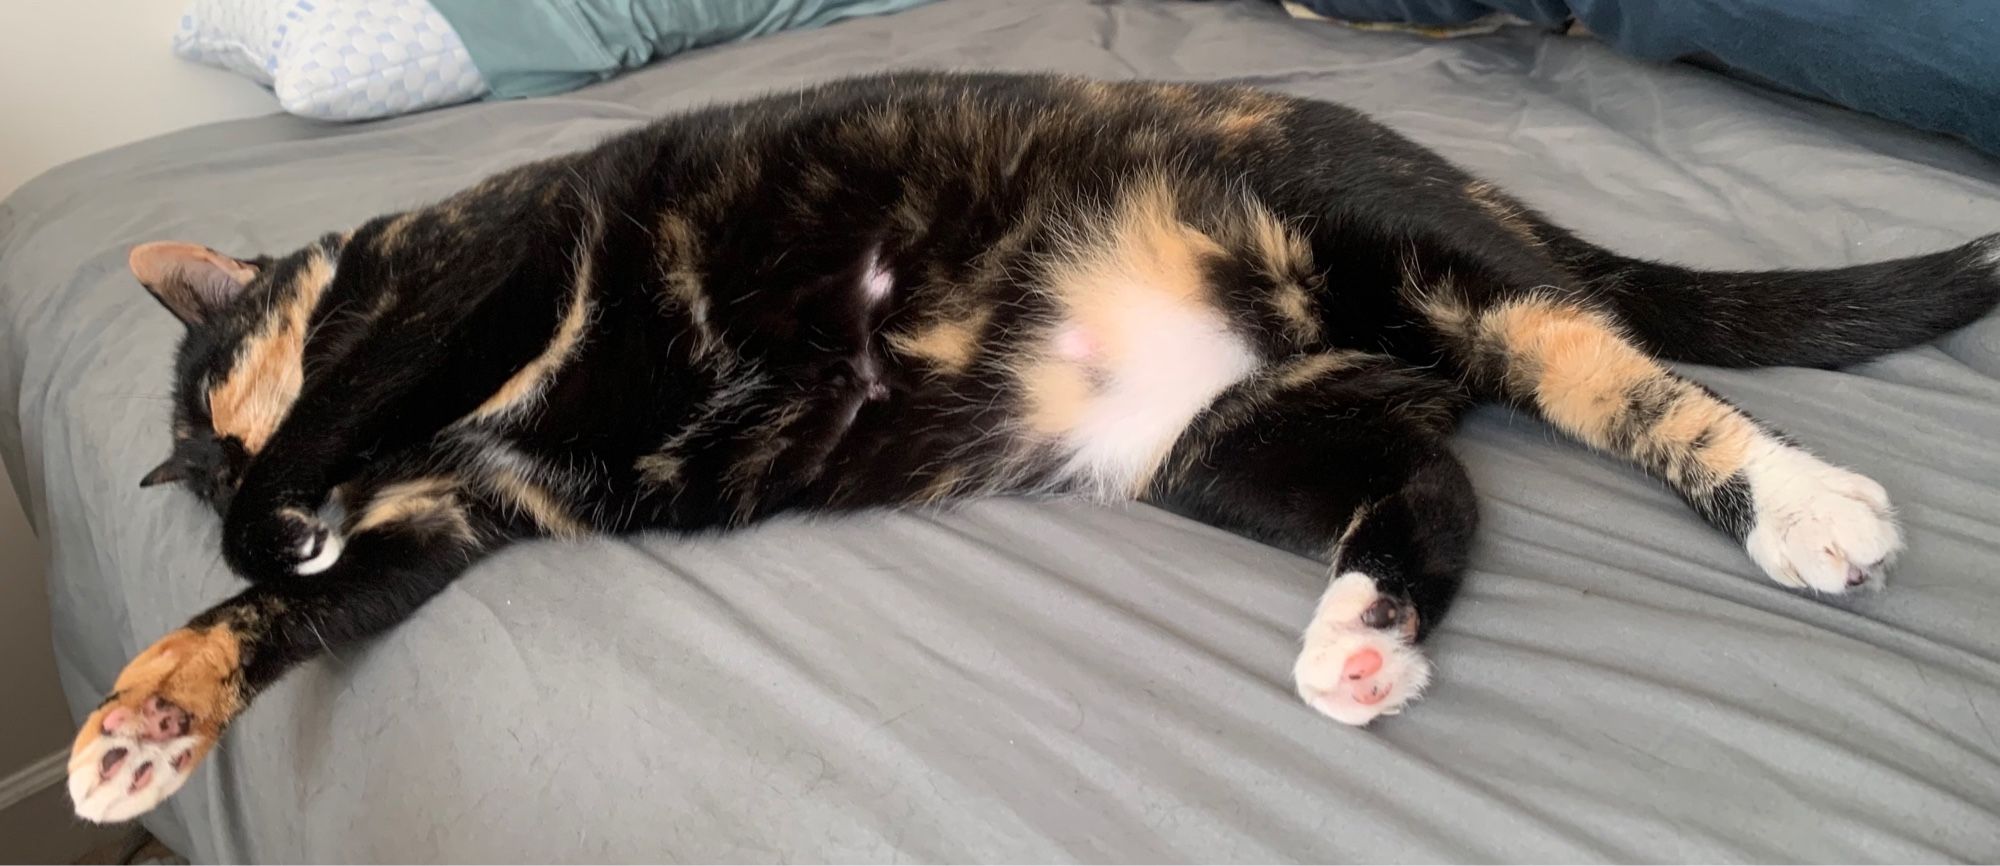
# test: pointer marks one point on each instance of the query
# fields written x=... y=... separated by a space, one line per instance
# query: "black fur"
x=1794 y=318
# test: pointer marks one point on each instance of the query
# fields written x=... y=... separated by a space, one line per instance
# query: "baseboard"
x=31 y=779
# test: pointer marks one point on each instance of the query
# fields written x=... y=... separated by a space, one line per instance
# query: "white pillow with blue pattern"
x=335 y=59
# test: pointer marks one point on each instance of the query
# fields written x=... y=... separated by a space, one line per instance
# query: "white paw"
x=141 y=755
x=320 y=553
x=1353 y=671
x=319 y=542
x=1817 y=526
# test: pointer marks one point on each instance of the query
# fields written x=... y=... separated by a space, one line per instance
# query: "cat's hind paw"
x=1359 y=661
x=1818 y=526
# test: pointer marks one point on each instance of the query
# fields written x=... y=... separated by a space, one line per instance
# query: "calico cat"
x=1264 y=312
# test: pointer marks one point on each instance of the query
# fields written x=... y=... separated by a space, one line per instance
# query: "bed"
x=1032 y=681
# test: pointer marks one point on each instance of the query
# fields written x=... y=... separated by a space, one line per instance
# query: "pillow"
x=550 y=46
x=335 y=59
x=361 y=59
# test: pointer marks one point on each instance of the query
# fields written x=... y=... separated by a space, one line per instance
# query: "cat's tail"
x=1823 y=318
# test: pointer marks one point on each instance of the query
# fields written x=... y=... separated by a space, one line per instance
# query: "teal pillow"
x=550 y=46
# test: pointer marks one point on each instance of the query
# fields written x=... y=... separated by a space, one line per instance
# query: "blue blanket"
x=552 y=46
x=1933 y=65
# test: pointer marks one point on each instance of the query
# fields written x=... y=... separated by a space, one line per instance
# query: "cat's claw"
x=1359 y=661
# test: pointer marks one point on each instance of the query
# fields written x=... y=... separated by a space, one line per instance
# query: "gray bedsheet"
x=1046 y=681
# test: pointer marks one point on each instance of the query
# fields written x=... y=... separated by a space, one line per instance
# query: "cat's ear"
x=191 y=280
x=172 y=470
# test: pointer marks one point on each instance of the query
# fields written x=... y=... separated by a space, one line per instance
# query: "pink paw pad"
x=164 y=721
x=1360 y=671
x=111 y=762
x=116 y=720
x=1359 y=662
x=156 y=720
x=1364 y=663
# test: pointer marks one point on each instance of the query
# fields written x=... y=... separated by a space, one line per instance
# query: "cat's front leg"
x=408 y=538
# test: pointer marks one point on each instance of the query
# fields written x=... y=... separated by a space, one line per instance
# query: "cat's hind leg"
x=1807 y=523
x=170 y=705
x=1341 y=456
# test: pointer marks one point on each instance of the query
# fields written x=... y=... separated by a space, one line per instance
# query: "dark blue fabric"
x=1934 y=65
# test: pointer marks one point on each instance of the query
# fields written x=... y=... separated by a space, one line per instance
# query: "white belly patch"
x=1125 y=411
x=1137 y=350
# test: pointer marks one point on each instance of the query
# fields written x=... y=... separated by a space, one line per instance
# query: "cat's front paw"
x=1818 y=526
x=168 y=709
x=1360 y=660
x=285 y=540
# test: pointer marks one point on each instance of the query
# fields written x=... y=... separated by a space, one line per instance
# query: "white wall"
x=76 y=77
x=79 y=76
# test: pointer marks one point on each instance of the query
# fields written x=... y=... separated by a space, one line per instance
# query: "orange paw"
x=166 y=711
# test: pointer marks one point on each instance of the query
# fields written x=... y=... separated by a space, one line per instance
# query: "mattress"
x=1026 y=680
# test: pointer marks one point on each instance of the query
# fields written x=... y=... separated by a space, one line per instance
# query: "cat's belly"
x=1113 y=393
x=1135 y=347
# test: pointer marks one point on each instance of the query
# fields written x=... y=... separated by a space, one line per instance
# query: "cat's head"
x=241 y=363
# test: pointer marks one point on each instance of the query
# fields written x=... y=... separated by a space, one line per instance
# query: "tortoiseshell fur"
x=1261 y=311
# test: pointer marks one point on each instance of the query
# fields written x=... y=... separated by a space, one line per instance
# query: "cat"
x=1264 y=312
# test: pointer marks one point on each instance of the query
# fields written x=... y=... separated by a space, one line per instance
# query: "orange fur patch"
x=1582 y=368
x=1286 y=258
x=1058 y=394
x=194 y=670
x=1508 y=214
x=1697 y=415
x=1311 y=368
x=949 y=346
x=1295 y=307
x=527 y=383
x=943 y=487
x=1134 y=348
x=1583 y=373
x=659 y=469
x=428 y=500
x=261 y=386
x=1440 y=303
x=535 y=501
x=1253 y=114
x=1140 y=256
x=392 y=234
x=679 y=261
x=1143 y=249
